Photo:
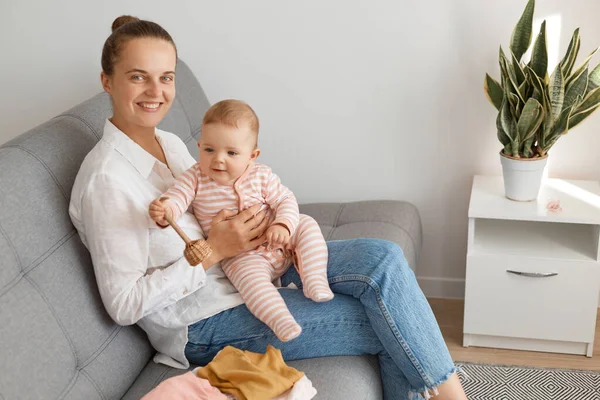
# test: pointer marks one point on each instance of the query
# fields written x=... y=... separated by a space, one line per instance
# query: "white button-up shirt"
x=141 y=273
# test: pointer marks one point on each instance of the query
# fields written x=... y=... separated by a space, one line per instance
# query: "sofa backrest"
x=56 y=339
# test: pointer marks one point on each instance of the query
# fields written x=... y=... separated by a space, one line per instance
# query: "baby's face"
x=226 y=151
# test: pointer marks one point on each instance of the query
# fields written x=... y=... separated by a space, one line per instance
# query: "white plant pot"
x=522 y=177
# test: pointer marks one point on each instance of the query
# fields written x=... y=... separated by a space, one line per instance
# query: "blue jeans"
x=378 y=308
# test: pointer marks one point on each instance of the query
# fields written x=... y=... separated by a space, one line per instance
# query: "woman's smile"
x=149 y=107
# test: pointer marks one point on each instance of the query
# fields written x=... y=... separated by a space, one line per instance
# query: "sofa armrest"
x=393 y=220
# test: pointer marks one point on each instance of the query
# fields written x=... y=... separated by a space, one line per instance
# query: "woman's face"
x=142 y=85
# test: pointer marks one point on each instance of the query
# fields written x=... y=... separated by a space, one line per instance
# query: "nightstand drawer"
x=557 y=307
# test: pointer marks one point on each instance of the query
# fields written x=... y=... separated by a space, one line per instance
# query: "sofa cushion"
x=336 y=377
x=355 y=377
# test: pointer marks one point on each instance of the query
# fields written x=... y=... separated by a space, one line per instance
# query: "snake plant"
x=534 y=108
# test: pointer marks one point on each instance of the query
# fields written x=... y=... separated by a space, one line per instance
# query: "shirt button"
x=185 y=292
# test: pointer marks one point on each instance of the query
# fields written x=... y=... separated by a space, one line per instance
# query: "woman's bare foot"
x=451 y=390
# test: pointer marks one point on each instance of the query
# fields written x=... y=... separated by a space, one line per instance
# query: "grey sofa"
x=56 y=340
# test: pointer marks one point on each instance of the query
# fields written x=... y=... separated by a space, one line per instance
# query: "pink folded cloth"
x=185 y=387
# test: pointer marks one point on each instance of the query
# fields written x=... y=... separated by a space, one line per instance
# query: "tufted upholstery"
x=54 y=327
x=56 y=340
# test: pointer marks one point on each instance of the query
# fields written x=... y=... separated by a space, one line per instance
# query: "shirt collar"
x=130 y=150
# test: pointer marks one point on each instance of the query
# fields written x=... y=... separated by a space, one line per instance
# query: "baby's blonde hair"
x=232 y=113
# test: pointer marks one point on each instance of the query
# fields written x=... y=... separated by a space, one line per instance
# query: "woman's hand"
x=232 y=234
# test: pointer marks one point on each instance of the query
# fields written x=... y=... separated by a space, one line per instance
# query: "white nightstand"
x=533 y=276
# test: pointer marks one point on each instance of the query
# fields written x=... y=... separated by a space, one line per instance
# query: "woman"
x=190 y=313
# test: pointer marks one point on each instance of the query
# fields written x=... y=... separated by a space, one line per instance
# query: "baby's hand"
x=277 y=236
x=157 y=212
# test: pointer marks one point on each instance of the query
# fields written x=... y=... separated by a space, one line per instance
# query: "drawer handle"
x=533 y=274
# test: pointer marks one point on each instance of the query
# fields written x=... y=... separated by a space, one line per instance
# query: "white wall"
x=357 y=99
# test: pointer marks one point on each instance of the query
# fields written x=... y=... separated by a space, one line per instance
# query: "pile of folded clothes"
x=238 y=375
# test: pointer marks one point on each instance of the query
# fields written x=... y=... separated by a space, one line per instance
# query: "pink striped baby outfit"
x=254 y=271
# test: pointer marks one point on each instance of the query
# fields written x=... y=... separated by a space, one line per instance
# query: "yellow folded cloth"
x=248 y=375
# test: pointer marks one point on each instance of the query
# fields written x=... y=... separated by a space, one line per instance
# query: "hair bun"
x=122 y=20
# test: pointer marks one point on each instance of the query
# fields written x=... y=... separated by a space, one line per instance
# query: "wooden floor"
x=449 y=314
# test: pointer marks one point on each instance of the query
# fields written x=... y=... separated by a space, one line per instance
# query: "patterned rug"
x=504 y=382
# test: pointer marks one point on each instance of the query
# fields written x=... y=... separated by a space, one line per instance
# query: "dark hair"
x=125 y=28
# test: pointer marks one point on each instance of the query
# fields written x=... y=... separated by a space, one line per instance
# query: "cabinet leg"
x=466 y=340
x=590 y=349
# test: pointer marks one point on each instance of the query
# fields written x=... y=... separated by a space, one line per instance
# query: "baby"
x=227 y=176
